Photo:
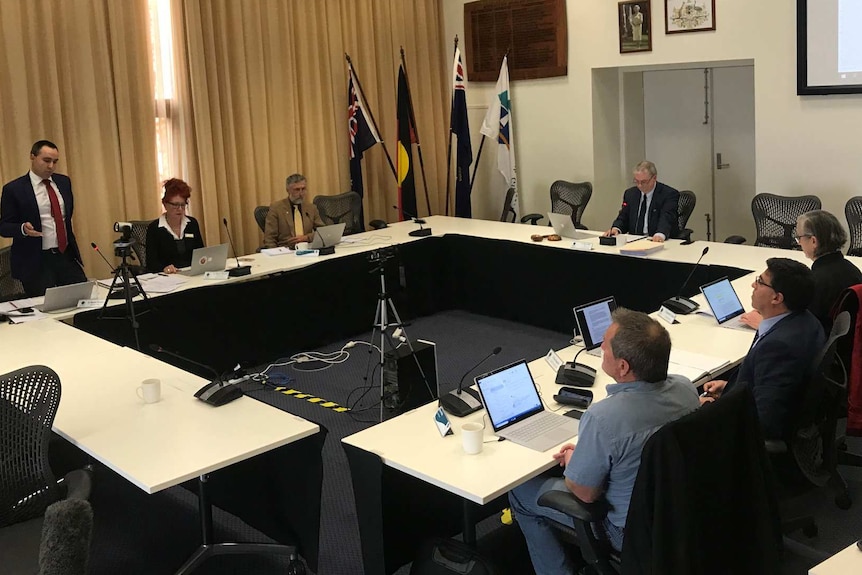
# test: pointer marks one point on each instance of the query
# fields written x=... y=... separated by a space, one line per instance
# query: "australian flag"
x=461 y=128
x=362 y=134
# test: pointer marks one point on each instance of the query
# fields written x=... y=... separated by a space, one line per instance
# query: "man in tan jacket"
x=286 y=216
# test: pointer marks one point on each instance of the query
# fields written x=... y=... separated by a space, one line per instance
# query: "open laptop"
x=516 y=410
x=209 y=259
x=565 y=227
x=64 y=298
x=724 y=303
x=326 y=236
x=592 y=320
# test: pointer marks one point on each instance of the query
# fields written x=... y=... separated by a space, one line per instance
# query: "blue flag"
x=461 y=128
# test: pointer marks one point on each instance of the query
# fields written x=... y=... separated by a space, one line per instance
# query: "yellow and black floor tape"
x=312 y=399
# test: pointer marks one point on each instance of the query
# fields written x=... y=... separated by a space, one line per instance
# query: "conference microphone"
x=238 y=270
x=323 y=250
x=683 y=305
x=217 y=392
x=462 y=402
x=421 y=232
x=118 y=292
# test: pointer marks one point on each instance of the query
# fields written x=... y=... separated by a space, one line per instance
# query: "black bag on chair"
x=441 y=556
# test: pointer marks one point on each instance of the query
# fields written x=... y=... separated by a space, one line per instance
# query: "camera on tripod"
x=125 y=241
x=382 y=255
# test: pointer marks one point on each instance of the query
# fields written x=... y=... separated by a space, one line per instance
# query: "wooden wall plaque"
x=533 y=31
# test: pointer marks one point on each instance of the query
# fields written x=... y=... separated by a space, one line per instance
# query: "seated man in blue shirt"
x=636 y=351
x=782 y=354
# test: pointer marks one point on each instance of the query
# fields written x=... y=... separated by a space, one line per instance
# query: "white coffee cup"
x=472 y=436
x=150 y=390
x=302 y=246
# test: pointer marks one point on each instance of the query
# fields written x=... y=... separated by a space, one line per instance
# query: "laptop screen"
x=509 y=394
x=593 y=321
x=722 y=300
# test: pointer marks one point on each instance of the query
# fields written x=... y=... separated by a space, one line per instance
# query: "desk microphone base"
x=239 y=271
x=681 y=305
x=455 y=404
x=420 y=233
x=326 y=251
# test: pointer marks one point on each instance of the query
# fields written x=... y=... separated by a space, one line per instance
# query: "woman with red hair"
x=173 y=237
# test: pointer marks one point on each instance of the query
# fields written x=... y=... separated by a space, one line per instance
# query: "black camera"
x=382 y=255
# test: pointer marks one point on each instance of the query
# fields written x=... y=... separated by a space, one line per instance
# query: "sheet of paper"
x=701 y=361
x=8 y=306
x=161 y=283
x=276 y=251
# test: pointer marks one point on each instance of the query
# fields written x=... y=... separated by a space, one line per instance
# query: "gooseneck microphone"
x=462 y=401
x=217 y=392
x=98 y=251
x=323 y=250
x=683 y=305
x=421 y=232
x=238 y=270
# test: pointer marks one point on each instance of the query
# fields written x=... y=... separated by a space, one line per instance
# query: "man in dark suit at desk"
x=36 y=211
x=611 y=437
x=787 y=340
x=649 y=207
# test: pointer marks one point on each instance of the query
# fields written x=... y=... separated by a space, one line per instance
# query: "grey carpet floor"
x=136 y=533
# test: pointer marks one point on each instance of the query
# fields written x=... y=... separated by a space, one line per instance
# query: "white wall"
x=804 y=145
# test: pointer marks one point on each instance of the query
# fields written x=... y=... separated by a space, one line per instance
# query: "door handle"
x=718 y=163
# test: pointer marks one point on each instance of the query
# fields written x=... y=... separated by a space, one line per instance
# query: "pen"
x=705 y=394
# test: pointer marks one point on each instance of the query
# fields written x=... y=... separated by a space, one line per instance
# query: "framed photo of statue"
x=688 y=16
x=635 y=26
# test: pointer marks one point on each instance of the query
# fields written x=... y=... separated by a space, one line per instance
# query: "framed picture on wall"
x=635 y=26
x=688 y=16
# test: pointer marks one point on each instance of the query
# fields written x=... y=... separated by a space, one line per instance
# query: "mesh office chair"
x=703 y=477
x=571 y=198
x=775 y=218
x=260 y=214
x=343 y=208
x=853 y=213
x=139 y=232
x=10 y=288
x=687 y=201
x=29 y=398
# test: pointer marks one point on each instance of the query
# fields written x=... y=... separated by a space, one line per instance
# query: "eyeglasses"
x=759 y=281
x=177 y=205
x=799 y=237
x=642 y=182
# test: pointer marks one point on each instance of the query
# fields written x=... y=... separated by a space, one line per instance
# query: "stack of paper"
x=641 y=248
x=695 y=365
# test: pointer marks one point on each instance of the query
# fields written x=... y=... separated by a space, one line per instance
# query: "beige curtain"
x=266 y=88
x=77 y=72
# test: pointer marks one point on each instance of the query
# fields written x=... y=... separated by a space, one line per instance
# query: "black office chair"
x=687 y=201
x=343 y=208
x=848 y=302
x=260 y=214
x=139 y=232
x=853 y=213
x=703 y=478
x=775 y=218
x=29 y=398
x=10 y=288
x=509 y=214
x=571 y=198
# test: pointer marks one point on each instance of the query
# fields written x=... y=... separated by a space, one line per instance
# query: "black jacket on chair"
x=704 y=499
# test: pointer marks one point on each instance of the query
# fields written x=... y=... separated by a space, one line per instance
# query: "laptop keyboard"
x=535 y=426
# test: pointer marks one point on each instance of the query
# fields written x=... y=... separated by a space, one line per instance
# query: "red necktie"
x=57 y=215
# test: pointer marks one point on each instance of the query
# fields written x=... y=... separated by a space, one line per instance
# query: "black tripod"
x=129 y=288
x=385 y=305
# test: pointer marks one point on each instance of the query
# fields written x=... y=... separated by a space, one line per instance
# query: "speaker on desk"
x=404 y=388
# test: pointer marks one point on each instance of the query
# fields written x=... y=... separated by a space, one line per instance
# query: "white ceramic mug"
x=472 y=436
x=150 y=390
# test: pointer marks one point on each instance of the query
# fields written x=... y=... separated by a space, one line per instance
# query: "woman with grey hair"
x=821 y=238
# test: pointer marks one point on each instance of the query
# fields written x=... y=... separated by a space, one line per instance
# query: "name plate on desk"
x=586 y=246
x=667 y=315
x=216 y=275
x=553 y=360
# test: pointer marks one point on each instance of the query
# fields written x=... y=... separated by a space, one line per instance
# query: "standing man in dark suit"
x=649 y=207
x=36 y=211
x=781 y=357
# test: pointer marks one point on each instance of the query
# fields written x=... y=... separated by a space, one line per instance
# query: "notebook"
x=565 y=227
x=326 y=236
x=516 y=410
x=62 y=298
x=724 y=303
x=211 y=259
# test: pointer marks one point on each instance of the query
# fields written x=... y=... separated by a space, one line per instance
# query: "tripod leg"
x=130 y=306
x=110 y=290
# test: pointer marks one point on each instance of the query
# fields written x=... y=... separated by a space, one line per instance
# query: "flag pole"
x=415 y=131
x=370 y=115
x=449 y=149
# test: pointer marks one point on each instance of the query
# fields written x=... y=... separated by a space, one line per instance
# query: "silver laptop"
x=326 y=236
x=211 y=259
x=593 y=320
x=724 y=303
x=64 y=298
x=516 y=410
x=565 y=227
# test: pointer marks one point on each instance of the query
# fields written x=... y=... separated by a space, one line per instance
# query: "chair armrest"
x=684 y=235
x=378 y=224
x=734 y=240
x=568 y=503
x=775 y=446
x=532 y=218
x=78 y=483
